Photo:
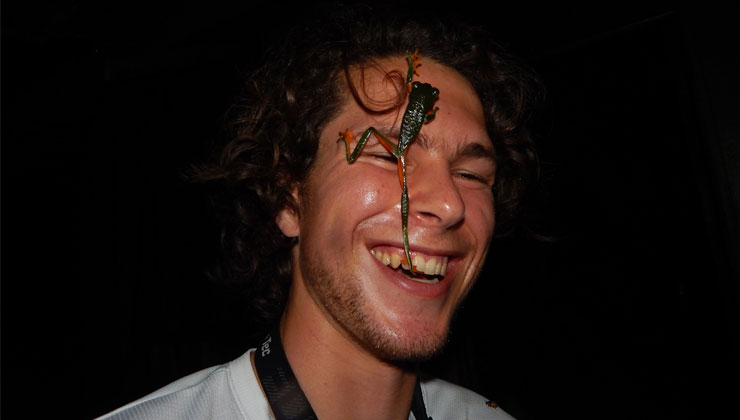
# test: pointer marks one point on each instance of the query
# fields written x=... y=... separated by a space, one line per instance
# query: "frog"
x=419 y=111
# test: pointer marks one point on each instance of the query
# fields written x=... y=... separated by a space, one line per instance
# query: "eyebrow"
x=477 y=151
x=471 y=150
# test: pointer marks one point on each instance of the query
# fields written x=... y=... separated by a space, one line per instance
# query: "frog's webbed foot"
x=414 y=63
x=413 y=269
x=347 y=136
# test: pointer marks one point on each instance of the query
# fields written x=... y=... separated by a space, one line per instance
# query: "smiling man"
x=348 y=221
x=319 y=241
x=356 y=313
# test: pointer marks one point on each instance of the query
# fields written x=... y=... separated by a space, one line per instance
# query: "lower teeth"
x=422 y=278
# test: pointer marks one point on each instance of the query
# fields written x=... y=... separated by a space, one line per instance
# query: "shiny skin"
x=344 y=211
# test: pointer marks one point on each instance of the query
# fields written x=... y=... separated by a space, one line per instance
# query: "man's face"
x=350 y=220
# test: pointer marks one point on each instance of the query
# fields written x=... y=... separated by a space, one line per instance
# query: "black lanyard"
x=286 y=398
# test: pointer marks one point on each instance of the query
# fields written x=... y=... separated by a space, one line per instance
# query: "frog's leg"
x=414 y=61
x=406 y=261
x=392 y=148
x=431 y=114
x=347 y=136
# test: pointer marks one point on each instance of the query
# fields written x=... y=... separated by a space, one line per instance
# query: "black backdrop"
x=631 y=313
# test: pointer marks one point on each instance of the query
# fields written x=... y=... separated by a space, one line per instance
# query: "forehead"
x=381 y=83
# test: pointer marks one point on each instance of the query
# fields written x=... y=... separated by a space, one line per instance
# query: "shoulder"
x=209 y=393
x=446 y=400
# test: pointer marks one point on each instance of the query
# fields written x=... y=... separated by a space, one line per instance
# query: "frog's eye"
x=435 y=92
x=415 y=85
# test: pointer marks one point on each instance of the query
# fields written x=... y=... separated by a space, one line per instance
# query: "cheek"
x=367 y=185
x=368 y=196
x=480 y=215
x=352 y=197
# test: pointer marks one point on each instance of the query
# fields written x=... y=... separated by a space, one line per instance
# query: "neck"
x=337 y=375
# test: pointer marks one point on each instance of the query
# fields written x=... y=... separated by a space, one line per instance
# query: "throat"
x=338 y=376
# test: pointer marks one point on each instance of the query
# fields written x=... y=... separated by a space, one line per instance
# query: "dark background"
x=631 y=313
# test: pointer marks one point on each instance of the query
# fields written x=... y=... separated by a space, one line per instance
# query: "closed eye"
x=466 y=175
x=472 y=177
x=384 y=157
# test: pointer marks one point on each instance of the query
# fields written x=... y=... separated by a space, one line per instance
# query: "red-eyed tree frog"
x=420 y=110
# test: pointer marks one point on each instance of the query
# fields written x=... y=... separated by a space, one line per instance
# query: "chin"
x=400 y=345
x=398 y=339
x=409 y=350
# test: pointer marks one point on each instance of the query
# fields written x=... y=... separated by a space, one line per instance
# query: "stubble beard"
x=342 y=299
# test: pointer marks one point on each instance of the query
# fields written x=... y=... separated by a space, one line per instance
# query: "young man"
x=350 y=315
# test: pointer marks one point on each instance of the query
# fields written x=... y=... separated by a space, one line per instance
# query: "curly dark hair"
x=274 y=127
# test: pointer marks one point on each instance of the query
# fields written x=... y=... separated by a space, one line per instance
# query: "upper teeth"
x=432 y=266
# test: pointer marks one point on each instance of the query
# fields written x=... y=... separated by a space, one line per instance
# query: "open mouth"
x=429 y=269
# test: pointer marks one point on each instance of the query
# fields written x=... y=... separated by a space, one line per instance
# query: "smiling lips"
x=429 y=265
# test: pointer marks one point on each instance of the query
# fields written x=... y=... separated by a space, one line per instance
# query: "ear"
x=287 y=221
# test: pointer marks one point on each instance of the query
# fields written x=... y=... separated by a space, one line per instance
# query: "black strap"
x=417 y=403
x=286 y=398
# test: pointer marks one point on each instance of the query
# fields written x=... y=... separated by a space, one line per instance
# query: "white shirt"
x=232 y=392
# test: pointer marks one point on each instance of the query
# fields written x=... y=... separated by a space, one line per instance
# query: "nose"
x=434 y=199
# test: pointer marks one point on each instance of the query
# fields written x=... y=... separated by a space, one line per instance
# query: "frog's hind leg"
x=405 y=216
x=401 y=172
x=348 y=137
x=406 y=261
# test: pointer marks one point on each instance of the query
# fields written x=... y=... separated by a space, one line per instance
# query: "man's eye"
x=473 y=177
x=385 y=157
